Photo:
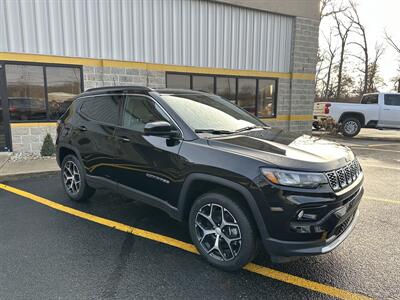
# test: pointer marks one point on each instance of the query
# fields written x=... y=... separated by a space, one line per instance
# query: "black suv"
x=202 y=159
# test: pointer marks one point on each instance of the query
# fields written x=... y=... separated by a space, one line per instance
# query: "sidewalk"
x=12 y=169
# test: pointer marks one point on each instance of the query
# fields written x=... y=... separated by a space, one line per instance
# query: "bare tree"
x=396 y=47
x=361 y=31
x=374 y=80
x=392 y=43
x=328 y=8
x=343 y=29
x=331 y=55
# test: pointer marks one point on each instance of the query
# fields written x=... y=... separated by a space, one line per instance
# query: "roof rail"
x=120 y=87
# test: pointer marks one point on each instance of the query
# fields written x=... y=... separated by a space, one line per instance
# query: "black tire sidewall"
x=249 y=242
x=358 y=125
x=85 y=191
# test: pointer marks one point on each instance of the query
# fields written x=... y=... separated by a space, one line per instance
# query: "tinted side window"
x=139 y=111
x=370 y=99
x=102 y=108
x=392 y=100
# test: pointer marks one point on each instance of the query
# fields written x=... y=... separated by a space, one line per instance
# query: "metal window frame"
x=5 y=109
x=237 y=77
x=44 y=68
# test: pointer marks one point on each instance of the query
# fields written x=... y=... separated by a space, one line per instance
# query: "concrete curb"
x=342 y=138
x=13 y=177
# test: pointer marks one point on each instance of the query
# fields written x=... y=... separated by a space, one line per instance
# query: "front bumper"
x=331 y=230
x=281 y=250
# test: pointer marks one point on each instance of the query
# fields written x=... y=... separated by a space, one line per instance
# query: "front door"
x=390 y=111
x=5 y=133
x=148 y=164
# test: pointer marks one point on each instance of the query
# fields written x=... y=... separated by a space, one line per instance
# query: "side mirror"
x=159 y=128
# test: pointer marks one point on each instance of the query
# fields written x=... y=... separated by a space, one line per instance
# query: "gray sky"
x=378 y=16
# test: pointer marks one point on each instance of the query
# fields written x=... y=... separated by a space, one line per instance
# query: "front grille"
x=340 y=178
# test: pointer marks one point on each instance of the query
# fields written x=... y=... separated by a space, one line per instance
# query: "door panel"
x=390 y=111
x=149 y=164
x=94 y=134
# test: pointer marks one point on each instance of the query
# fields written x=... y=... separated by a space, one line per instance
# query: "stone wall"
x=304 y=60
x=106 y=76
x=30 y=137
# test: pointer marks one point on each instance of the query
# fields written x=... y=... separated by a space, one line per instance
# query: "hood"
x=286 y=150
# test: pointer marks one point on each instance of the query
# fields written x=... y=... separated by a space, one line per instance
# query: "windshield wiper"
x=247 y=128
x=213 y=131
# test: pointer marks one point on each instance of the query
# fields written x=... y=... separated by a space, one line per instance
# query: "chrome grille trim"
x=340 y=178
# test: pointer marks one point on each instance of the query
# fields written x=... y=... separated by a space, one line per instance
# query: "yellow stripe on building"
x=91 y=62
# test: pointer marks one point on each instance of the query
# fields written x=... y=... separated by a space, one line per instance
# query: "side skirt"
x=101 y=183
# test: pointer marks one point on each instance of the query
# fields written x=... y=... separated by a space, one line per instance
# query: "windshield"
x=210 y=113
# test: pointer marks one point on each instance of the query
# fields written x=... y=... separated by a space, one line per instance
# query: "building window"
x=41 y=92
x=226 y=87
x=26 y=92
x=266 y=98
x=178 y=81
x=63 y=84
x=203 y=83
x=247 y=94
x=256 y=95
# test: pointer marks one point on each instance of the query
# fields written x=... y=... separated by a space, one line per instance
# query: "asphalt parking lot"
x=49 y=251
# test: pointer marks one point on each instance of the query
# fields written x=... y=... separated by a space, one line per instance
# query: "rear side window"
x=370 y=99
x=102 y=108
x=139 y=111
x=392 y=100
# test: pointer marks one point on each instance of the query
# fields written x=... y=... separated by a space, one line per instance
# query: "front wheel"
x=222 y=231
x=73 y=179
x=351 y=127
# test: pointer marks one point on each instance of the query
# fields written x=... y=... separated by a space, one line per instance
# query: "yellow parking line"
x=264 y=271
x=383 y=200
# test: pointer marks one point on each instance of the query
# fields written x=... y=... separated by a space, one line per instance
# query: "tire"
x=73 y=179
x=316 y=125
x=239 y=231
x=351 y=127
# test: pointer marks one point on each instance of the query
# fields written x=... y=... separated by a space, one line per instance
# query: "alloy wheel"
x=218 y=232
x=72 y=177
x=350 y=127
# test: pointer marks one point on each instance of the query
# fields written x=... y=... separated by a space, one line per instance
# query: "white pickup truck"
x=377 y=110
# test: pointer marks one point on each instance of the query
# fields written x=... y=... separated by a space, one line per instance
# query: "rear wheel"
x=351 y=127
x=73 y=179
x=222 y=231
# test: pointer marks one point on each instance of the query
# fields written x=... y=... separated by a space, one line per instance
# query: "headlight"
x=294 y=179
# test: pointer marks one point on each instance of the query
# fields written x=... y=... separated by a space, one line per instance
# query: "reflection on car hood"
x=286 y=150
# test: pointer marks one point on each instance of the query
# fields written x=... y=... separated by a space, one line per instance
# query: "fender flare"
x=363 y=121
x=249 y=198
x=70 y=147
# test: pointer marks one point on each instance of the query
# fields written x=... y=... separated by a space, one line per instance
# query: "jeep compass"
x=207 y=162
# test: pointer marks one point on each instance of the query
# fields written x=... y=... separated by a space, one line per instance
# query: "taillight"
x=327 y=105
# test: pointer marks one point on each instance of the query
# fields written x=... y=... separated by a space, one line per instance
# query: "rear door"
x=390 y=111
x=94 y=132
x=149 y=164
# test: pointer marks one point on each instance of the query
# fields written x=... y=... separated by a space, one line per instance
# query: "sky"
x=378 y=16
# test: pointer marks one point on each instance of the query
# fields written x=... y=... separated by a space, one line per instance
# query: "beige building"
x=260 y=54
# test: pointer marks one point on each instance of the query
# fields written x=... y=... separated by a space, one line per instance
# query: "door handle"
x=82 y=128
x=386 y=109
x=124 y=139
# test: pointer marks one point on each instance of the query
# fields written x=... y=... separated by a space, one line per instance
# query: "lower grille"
x=342 y=227
x=340 y=178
